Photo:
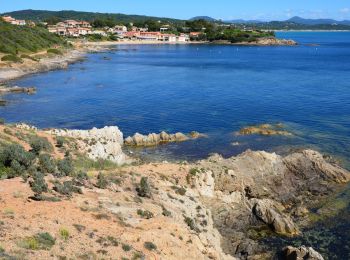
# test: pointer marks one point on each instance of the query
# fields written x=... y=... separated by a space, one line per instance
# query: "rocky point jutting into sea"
x=212 y=209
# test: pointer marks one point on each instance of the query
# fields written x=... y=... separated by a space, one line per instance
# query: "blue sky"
x=184 y=9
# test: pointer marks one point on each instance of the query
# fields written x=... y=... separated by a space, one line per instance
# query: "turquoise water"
x=212 y=89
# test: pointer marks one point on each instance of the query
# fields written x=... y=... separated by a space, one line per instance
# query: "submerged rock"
x=155 y=139
x=16 y=89
x=301 y=253
x=265 y=129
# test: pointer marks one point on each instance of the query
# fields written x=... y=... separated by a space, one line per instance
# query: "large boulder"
x=105 y=143
x=270 y=212
x=301 y=253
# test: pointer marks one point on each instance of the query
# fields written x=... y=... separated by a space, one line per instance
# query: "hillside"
x=25 y=39
x=42 y=15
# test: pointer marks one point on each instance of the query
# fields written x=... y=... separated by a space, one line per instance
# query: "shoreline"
x=13 y=71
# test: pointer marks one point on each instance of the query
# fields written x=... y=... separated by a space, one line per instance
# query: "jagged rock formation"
x=259 y=188
x=301 y=253
x=155 y=139
x=105 y=143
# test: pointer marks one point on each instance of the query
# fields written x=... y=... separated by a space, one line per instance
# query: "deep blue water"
x=212 y=89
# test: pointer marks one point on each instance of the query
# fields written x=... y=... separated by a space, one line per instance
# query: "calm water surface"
x=211 y=89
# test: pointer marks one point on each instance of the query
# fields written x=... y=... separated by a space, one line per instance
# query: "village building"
x=13 y=21
x=71 y=28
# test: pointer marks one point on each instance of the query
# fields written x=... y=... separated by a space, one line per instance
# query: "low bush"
x=40 y=241
x=66 y=188
x=46 y=163
x=15 y=160
x=126 y=247
x=145 y=213
x=65 y=167
x=60 y=141
x=2 y=121
x=150 y=246
x=54 y=51
x=102 y=181
x=12 y=58
x=38 y=184
x=144 y=190
x=39 y=144
x=26 y=56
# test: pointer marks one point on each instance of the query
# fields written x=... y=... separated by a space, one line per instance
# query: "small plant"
x=190 y=223
x=2 y=122
x=150 y=246
x=26 y=56
x=144 y=190
x=166 y=212
x=102 y=181
x=2 y=250
x=64 y=233
x=145 y=213
x=126 y=247
x=179 y=190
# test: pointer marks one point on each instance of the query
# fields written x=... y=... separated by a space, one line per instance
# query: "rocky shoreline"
x=223 y=206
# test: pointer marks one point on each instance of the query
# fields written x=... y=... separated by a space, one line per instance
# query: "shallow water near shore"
x=215 y=90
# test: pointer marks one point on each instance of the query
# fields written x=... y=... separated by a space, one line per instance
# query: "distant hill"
x=300 y=20
x=42 y=15
x=205 y=18
x=242 y=21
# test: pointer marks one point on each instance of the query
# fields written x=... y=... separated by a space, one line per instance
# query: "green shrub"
x=54 y=51
x=2 y=121
x=12 y=58
x=190 y=223
x=145 y=213
x=165 y=212
x=144 y=190
x=47 y=163
x=16 y=159
x=64 y=233
x=65 y=167
x=40 y=241
x=39 y=144
x=38 y=184
x=26 y=56
x=66 y=188
x=179 y=190
x=150 y=246
x=126 y=247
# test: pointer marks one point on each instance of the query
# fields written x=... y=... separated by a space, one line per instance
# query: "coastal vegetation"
x=24 y=39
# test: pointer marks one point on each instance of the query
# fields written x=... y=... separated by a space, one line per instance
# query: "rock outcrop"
x=301 y=253
x=105 y=143
x=16 y=89
x=265 y=129
x=262 y=190
x=269 y=41
x=155 y=139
